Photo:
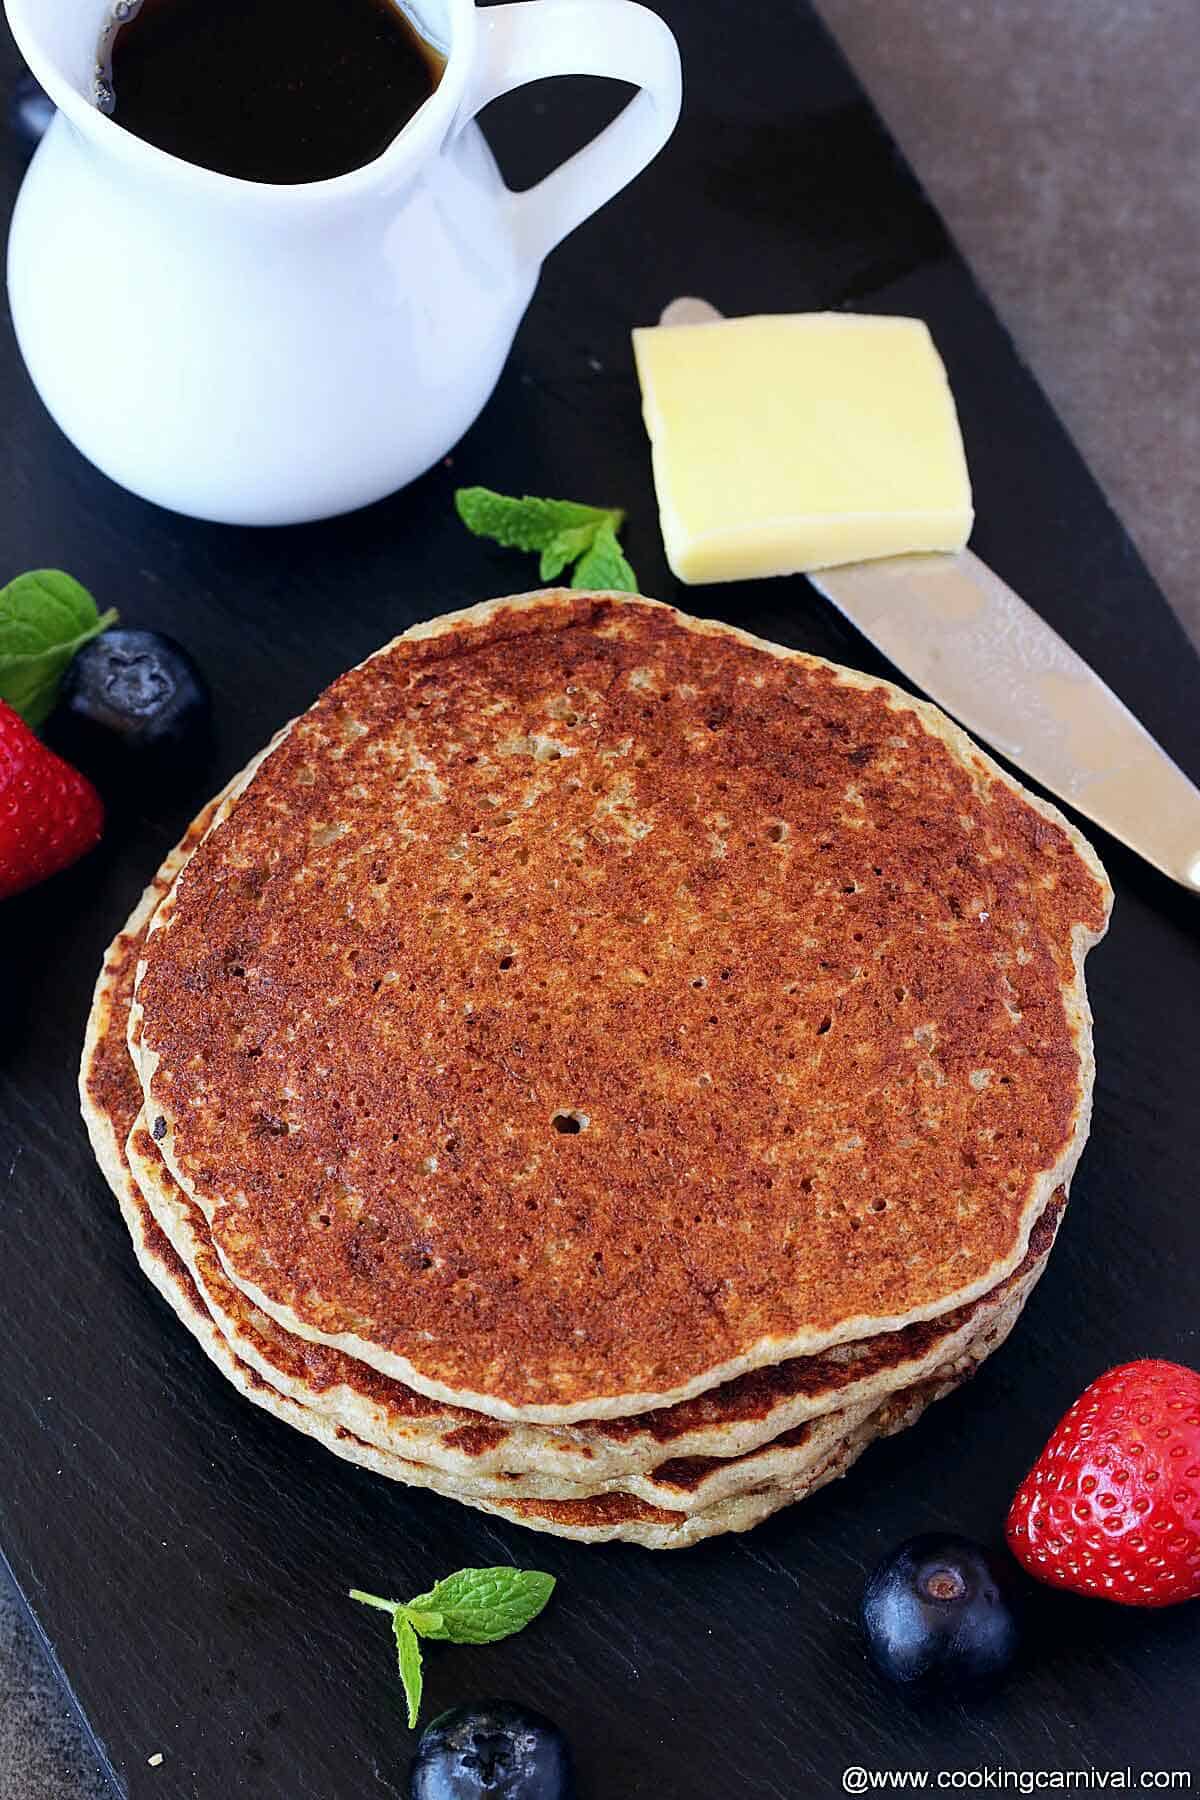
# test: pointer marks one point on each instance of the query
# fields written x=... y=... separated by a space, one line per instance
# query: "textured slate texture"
x=185 y=1556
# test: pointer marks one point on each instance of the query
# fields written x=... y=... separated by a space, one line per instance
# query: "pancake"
x=727 y=1422
x=683 y=1500
x=583 y=1006
x=492 y=1458
x=687 y=1484
x=606 y=1518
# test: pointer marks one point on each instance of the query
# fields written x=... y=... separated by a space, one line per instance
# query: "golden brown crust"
x=597 y=1520
x=476 y=885
x=681 y=1486
x=698 y=1435
x=682 y=1504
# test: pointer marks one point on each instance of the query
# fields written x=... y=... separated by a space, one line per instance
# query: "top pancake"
x=801 y=963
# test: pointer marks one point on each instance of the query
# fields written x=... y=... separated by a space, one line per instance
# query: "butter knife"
x=962 y=635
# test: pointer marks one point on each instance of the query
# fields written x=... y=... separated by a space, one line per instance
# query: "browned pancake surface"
x=115 y=1092
x=797 y=972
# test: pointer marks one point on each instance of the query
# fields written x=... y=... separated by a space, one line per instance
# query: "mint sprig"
x=605 y=566
x=474 y=1606
x=408 y=1655
x=45 y=617
x=561 y=531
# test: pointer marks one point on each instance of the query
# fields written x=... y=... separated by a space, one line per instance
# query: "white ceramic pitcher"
x=266 y=355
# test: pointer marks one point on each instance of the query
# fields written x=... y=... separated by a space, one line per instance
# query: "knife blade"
x=960 y=633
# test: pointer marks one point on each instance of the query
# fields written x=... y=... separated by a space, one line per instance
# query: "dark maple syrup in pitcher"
x=268 y=90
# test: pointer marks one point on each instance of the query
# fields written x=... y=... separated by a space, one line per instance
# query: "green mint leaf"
x=528 y=523
x=45 y=617
x=565 y=548
x=425 y=1624
x=604 y=566
x=480 y=1606
x=476 y=1606
x=408 y=1655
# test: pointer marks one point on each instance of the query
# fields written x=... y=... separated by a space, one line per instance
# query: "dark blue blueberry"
x=493 y=1750
x=133 y=691
x=937 y=1617
x=30 y=112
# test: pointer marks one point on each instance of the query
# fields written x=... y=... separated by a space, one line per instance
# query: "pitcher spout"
x=64 y=43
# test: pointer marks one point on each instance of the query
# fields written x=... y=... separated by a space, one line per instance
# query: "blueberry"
x=495 y=1749
x=30 y=112
x=937 y=1617
x=133 y=692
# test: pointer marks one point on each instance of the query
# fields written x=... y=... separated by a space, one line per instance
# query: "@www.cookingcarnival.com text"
x=858 y=1780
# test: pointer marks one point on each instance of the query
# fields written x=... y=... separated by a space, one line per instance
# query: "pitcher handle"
x=530 y=39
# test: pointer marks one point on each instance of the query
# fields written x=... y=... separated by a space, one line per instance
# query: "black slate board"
x=184 y=1556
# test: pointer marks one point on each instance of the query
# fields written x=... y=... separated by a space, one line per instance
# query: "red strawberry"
x=1112 y=1505
x=49 y=814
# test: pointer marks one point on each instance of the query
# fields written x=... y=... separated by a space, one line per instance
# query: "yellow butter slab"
x=789 y=442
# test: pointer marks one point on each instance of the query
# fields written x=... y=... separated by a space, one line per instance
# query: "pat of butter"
x=798 y=441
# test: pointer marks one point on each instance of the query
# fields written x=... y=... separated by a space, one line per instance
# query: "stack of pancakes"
x=602 y=1067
